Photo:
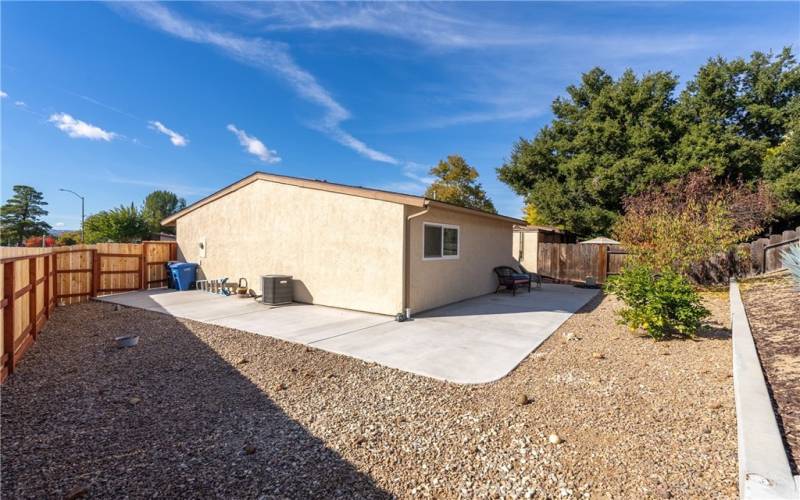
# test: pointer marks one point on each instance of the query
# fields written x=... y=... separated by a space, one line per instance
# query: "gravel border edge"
x=764 y=471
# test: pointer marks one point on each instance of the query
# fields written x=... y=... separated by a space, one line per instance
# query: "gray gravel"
x=198 y=410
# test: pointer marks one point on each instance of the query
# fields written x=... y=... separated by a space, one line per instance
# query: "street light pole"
x=82 y=203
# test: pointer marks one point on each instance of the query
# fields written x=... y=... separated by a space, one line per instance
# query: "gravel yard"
x=199 y=410
x=772 y=307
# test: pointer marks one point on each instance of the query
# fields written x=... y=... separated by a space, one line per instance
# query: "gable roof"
x=362 y=192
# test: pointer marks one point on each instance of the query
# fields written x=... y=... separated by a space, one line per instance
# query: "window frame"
x=442 y=227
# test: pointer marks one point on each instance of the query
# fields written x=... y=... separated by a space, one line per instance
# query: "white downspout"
x=407 y=258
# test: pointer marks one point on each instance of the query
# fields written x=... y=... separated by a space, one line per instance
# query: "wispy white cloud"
x=3 y=95
x=441 y=26
x=415 y=22
x=471 y=118
x=179 y=189
x=404 y=187
x=102 y=104
x=254 y=146
x=78 y=129
x=264 y=55
x=175 y=138
x=20 y=104
x=486 y=89
x=418 y=173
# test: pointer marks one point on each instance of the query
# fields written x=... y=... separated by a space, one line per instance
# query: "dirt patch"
x=773 y=309
x=197 y=410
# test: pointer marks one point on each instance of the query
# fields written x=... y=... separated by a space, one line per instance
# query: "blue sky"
x=115 y=100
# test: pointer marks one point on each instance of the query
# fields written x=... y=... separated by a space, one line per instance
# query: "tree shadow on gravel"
x=169 y=417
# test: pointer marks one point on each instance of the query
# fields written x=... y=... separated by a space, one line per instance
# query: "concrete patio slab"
x=475 y=341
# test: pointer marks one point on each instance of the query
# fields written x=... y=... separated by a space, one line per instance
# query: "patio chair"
x=535 y=277
x=509 y=278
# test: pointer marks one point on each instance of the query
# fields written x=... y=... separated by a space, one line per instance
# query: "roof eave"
x=375 y=194
x=472 y=211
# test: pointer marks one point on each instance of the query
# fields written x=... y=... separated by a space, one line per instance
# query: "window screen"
x=433 y=241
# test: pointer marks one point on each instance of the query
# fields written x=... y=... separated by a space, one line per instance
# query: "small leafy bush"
x=791 y=261
x=663 y=304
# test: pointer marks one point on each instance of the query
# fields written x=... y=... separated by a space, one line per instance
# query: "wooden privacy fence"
x=747 y=259
x=574 y=262
x=35 y=280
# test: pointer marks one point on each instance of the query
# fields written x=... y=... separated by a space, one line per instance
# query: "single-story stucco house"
x=345 y=246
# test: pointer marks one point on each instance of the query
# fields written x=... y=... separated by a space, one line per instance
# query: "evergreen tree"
x=20 y=216
x=608 y=139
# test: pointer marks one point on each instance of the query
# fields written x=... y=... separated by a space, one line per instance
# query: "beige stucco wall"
x=343 y=251
x=484 y=244
x=527 y=253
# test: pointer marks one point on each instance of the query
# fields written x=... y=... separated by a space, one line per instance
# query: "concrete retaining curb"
x=764 y=471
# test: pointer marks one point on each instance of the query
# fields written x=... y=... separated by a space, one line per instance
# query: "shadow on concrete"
x=170 y=417
x=551 y=298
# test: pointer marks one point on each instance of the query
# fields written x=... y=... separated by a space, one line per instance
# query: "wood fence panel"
x=772 y=255
x=22 y=303
x=74 y=274
x=8 y=303
x=122 y=267
x=616 y=259
x=156 y=256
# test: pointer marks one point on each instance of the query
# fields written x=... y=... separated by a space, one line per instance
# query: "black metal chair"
x=509 y=278
x=535 y=277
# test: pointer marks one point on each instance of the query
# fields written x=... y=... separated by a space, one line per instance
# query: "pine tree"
x=20 y=216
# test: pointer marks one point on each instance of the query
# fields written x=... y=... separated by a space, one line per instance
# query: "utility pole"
x=82 y=203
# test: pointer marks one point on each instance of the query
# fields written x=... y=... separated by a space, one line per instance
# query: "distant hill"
x=59 y=232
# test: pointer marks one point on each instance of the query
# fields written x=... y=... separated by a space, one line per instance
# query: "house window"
x=440 y=241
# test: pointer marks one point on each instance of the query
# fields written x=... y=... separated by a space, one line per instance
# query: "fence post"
x=143 y=268
x=55 y=278
x=8 y=315
x=95 y=272
x=757 y=255
x=602 y=262
x=47 y=286
x=32 y=296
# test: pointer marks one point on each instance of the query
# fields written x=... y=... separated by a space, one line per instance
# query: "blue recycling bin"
x=184 y=274
x=170 y=278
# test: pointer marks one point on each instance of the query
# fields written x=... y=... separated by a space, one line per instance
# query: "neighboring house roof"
x=540 y=229
x=601 y=240
x=163 y=236
x=375 y=194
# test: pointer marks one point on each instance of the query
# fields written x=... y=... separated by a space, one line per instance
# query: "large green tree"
x=614 y=138
x=457 y=182
x=124 y=224
x=734 y=111
x=157 y=206
x=782 y=172
x=608 y=139
x=20 y=216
